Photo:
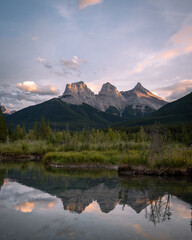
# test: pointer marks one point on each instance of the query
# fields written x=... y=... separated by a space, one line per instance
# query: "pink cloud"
x=86 y=3
x=175 y=91
x=32 y=87
x=179 y=44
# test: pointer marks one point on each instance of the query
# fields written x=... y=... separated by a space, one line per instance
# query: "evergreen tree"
x=142 y=134
x=35 y=131
x=67 y=136
x=3 y=128
x=23 y=129
x=43 y=131
x=10 y=132
x=48 y=128
x=18 y=134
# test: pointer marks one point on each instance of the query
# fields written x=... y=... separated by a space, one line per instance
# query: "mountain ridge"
x=137 y=98
x=61 y=114
x=176 y=112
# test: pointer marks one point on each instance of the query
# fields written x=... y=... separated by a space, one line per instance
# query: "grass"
x=172 y=155
x=177 y=156
x=21 y=147
x=94 y=157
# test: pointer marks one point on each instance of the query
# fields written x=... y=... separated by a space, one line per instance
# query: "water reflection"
x=128 y=205
x=159 y=197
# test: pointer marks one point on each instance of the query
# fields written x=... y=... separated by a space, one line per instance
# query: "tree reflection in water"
x=78 y=189
x=159 y=209
x=154 y=196
x=191 y=220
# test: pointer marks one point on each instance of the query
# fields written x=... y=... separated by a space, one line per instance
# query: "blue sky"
x=46 y=44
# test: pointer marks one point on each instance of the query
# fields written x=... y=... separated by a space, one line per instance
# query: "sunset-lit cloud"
x=14 y=98
x=175 y=91
x=86 y=3
x=32 y=87
x=25 y=207
x=145 y=41
x=29 y=206
x=93 y=208
x=95 y=86
x=26 y=199
x=182 y=210
x=179 y=44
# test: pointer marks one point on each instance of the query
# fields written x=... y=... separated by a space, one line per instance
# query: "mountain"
x=141 y=96
x=178 y=111
x=80 y=107
x=60 y=113
x=6 y=111
x=131 y=104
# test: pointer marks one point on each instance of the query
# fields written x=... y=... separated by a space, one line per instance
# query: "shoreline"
x=123 y=170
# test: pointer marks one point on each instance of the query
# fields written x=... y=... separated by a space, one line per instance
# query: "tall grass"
x=92 y=157
x=20 y=147
x=154 y=149
x=174 y=157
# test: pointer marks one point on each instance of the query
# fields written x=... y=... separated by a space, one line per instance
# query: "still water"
x=37 y=203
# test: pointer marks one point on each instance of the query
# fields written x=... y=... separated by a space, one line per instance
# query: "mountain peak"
x=109 y=89
x=5 y=110
x=78 y=93
x=138 y=86
x=77 y=88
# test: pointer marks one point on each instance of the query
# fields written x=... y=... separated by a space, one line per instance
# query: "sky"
x=45 y=44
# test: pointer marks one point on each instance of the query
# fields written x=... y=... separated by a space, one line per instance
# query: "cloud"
x=64 y=11
x=179 y=44
x=86 y=3
x=44 y=62
x=71 y=67
x=34 y=38
x=175 y=91
x=95 y=86
x=15 y=98
x=32 y=87
x=72 y=64
x=26 y=199
x=64 y=73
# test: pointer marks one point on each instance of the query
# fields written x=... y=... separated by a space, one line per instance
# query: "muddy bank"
x=141 y=170
x=20 y=158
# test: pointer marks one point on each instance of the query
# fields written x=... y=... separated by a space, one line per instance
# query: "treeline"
x=102 y=138
x=181 y=132
x=40 y=131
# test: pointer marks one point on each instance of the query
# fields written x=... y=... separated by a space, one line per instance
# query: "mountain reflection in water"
x=30 y=188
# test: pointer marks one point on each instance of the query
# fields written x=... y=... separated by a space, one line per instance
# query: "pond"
x=39 y=203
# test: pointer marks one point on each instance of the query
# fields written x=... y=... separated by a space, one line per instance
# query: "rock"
x=6 y=111
x=139 y=98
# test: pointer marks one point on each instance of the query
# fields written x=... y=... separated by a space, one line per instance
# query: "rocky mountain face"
x=143 y=97
x=137 y=102
x=6 y=111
